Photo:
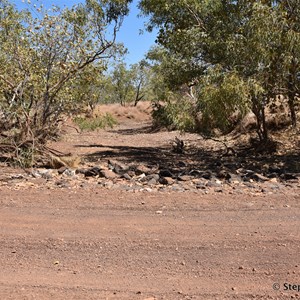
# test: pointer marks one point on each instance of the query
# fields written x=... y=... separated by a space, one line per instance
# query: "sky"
x=136 y=43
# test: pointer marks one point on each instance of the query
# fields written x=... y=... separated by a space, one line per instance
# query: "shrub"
x=91 y=124
x=178 y=113
x=223 y=99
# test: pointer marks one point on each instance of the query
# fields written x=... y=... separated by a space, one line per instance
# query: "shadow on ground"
x=148 y=129
x=197 y=159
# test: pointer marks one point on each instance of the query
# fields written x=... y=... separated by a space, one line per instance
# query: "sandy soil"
x=95 y=243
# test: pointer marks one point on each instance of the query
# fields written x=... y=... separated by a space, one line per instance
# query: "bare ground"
x=88 y=242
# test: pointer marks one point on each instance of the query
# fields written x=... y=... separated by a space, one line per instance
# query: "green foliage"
x=141 y=81
x=176 y=113
x=172 y=68
x=122 y=82
x=130 y=84
x=45 y=55
x=223 y=99
x=91 y=124
x=91 y=87
x=254 y=44
x=24 y=157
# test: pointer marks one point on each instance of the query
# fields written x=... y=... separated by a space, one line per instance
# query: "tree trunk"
x=138 y=99
x=258 y=109
x=291 y=85
x=291 y=102
x=265 y=134
x=138 y=96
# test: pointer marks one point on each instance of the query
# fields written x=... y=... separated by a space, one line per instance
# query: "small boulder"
x=275 y=169
x=152 y=179
x=92 y=172
x=62 y=170
x=200 y=186
x=126 y=176
x=195 y=173
x=166 y=180
x=185 y=178
x=117 y=167
x=222 y=174
x=166 y=173
x=288 y=176
x=108 y=174
x=206 y=175
x=142 y=169
x=259 y=177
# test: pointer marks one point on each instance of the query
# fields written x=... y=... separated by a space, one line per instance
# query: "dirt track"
x=99 y=244
x=94 y=243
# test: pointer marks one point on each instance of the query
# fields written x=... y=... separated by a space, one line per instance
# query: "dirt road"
x=101 y=244
x=61 y=240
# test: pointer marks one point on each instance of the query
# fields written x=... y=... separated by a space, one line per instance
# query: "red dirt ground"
x=89 y=242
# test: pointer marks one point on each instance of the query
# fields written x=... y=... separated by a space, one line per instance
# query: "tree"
x=42 y=55
x=90 y=87
x=145 y=81
x=122 y=81
x=131 y=84
x=138 y=81
x=257 y=41
x=290 y=40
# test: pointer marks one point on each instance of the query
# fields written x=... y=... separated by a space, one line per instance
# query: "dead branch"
x=228 y=150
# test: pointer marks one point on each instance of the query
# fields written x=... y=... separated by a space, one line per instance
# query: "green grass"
x=24 y=157
x=91 y=124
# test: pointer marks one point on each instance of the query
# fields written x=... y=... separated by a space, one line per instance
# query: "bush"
x=91 y=124
x=178 y=113
x=24 y=157
x=223 y=100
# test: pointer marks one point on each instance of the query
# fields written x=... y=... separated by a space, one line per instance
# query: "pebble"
x=201 y=186
x=152 y=181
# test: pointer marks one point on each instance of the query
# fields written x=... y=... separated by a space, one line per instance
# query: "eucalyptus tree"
x=131 y=83
x=91 y=86
x=122 y=78
x=43 y=52
x=289 y=11
x=141 y=81
x=255 y=42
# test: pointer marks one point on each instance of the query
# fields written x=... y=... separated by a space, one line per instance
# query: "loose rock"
x=166 y=180
x=185 y=178
x=118 y=167
x=108 y=174
x=206 y=175
x=166 y=173
x=141 y=169
x=93 y=172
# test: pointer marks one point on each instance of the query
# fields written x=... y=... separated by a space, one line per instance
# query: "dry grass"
x=139 y=113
